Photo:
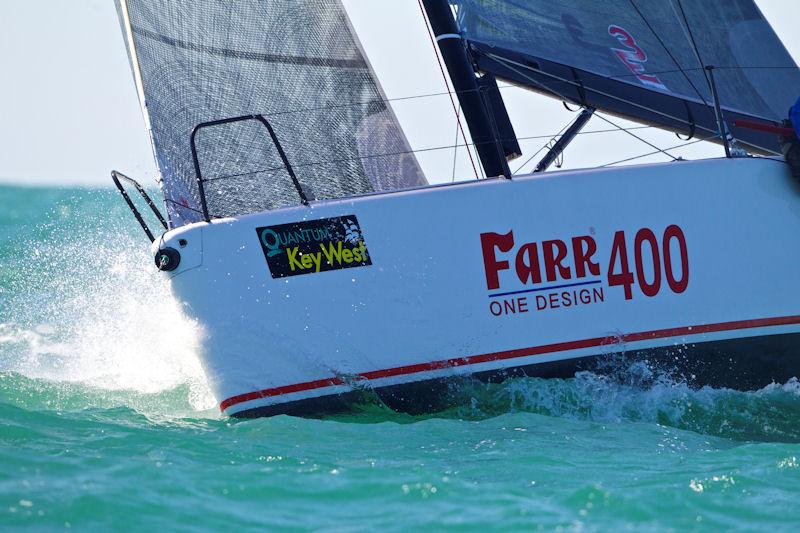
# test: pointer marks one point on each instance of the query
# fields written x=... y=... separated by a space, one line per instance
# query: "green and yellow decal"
x=313 y=246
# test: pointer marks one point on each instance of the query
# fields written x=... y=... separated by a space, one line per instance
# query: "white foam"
x=102 y=315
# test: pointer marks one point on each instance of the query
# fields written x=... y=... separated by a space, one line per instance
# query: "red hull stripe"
x=511 y=354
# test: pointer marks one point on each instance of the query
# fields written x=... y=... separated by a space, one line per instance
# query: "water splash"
x=86 y=306
x=86 y=321
x=768 y=414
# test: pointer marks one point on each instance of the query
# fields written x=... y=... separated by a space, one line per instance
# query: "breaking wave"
x=634 y=394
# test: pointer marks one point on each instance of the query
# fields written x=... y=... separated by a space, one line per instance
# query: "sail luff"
x=402 y=144
x=133 y=59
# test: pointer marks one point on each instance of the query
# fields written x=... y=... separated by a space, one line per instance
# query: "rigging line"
x=384 y=100
x=455 y=147
x=724 y=134
x=672 y=57
x=170 y=200
x=543 y=147
x=430 y=149
x=672 y=71
x=502 y=87
x=509 y=62
x=443 y=93
x=675 y=147
x=601 y=117
x=648 y=143
x=446 y=85
x=694 y=44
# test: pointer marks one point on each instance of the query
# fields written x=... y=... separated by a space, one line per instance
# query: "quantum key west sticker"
x=313 y=246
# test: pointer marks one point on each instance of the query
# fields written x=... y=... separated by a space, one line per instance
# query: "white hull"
x=428 y=307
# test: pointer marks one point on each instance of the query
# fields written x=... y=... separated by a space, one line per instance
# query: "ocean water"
x=106 y=422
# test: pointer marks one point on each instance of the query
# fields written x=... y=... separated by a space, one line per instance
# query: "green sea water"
x=106 y=422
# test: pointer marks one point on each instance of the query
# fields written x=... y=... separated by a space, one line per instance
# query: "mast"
x=483 y=130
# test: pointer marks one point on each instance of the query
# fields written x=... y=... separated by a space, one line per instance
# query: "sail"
x=297 y=63
x=642 y=59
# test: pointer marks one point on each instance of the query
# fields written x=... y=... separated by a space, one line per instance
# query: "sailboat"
x=303 y=237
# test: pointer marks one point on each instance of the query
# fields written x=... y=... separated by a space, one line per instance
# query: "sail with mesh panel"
x=297 y=63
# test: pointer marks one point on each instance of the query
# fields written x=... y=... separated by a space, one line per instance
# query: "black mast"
x=483 y=130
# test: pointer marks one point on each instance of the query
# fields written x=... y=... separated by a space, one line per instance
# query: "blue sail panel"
x=643 y=59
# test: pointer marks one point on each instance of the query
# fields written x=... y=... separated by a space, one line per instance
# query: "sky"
x=69 y=113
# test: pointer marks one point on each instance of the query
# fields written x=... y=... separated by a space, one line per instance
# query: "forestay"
x=643 y=59
x=298 y=63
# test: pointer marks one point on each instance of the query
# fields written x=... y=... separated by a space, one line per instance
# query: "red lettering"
x=674 y=232
x=626 y=39
x=566 y=298
x=642 y=236
x=504 y=242
x=553 y=300
x=541 y=302
x=531 y=268
x=624 y=278
x=509 y=307
x=634 y=57
x=583 y=258
x=598 y=295
x=555 y=252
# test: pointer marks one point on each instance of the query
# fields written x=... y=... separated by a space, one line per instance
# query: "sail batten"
x=254 y=56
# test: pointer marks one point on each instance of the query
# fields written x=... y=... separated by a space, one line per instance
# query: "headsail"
x=643 y=59
x=296 y=62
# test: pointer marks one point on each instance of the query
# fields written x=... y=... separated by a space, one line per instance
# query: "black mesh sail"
x=297 y=63
x=642 y=59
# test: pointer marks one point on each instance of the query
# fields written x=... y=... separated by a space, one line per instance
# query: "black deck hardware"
x=262 y=120
x=117 y=176
x=565 y=139
x=167 y=259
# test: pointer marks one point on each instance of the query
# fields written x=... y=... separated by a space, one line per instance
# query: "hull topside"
x=692 y=264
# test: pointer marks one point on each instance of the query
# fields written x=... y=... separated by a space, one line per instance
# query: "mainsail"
x=643 y=59
x=297 y=63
